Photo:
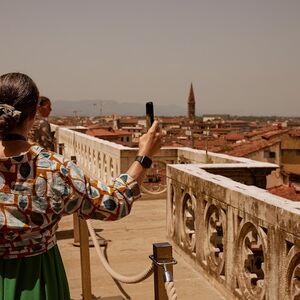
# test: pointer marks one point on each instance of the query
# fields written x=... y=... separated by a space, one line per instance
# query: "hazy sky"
x=243 y=56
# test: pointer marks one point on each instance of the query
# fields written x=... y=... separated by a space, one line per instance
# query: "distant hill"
x=88 y=108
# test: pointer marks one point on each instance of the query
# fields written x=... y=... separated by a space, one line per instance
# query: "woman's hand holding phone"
x=150 y=142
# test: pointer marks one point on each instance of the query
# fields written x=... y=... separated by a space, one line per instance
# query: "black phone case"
x=150 y=112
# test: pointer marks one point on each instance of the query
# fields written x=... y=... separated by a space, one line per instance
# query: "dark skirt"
x=40 y=277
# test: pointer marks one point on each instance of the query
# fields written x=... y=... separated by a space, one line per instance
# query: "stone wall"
x=244 y=239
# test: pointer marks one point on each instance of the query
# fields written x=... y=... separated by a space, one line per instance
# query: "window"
x=269 y=154
x=272 y=154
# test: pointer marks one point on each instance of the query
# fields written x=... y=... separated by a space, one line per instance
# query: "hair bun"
x=9 y=116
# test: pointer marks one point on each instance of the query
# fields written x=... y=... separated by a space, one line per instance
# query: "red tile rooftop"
x=223 y=130
x=234 y=136
x=295 y=132
x=288 y=192
x=216 y=145
x=274 y=133
x=170 y=120
x=93 y=126
x=247 y=148
x=261 y=131
x=291 y=168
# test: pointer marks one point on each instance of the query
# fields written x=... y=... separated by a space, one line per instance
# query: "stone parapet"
x=246 y=240
x=104 y=160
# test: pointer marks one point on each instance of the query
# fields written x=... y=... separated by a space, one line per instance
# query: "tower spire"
x=191 y=103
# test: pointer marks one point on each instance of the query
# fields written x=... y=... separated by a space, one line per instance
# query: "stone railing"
x=105 y=160
x=244 y=239
x=98 y=158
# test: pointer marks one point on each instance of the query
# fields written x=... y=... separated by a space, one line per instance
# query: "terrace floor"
x=129 y=245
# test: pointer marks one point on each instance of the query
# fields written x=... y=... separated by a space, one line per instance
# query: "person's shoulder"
x=54 y=162
x=49 y=160
x=43 y=122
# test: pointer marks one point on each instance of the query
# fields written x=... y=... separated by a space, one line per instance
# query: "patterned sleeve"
x=95 y=199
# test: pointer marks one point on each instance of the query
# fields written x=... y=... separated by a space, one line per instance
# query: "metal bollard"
x=163 y=268
x=81 y=238
x=85 y=260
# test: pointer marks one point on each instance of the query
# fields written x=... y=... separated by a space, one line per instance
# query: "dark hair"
x=43 y=100
x=19 y=91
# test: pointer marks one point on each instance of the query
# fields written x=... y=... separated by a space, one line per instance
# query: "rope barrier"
x=169 y=285
x=171 y=291
x=122 y=278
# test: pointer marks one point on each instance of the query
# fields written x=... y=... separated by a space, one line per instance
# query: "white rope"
x=169 y=286
x=122 y=278
x=171 y=291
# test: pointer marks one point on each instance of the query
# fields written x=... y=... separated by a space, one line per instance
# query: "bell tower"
x=191 y=104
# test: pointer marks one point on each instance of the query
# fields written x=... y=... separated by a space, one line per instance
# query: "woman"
x=41 y=131
x=38 y=187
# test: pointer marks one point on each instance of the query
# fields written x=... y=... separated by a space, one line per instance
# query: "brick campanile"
x=191 y=104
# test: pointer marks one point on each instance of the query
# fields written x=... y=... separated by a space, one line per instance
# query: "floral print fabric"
x=39 y=187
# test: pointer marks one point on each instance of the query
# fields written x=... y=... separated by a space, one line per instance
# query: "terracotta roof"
x=234 y=136
x=261 y=131
x=295 y=132
x=93 y=126
x=274 y=133
x=288 y=192
x=215 y=145
x=170 y=121
x=247 y=148
x=100 y=132
x=291 y=168
x=222 y=130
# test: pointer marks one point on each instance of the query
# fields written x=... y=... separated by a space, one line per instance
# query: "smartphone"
x=149 y=114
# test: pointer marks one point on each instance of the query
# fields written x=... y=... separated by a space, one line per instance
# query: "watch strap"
x=145 y=161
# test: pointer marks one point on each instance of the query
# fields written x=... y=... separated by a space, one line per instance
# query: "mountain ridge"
x=109 y=107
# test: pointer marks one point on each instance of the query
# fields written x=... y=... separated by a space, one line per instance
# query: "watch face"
x=145 y=161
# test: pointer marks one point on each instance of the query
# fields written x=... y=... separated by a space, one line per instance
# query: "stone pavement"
x=129 y=245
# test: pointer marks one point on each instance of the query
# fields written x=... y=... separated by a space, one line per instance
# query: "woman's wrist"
x=144 y=153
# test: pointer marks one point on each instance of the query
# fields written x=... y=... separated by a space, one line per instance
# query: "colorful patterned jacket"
x=39 y=187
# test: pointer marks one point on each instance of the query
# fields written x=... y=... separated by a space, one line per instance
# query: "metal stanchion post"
x=162 y=255
x=85 y=260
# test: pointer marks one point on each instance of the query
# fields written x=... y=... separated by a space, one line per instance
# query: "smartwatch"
x=145 y=161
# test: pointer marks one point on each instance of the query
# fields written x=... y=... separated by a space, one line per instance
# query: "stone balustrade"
x=244 y=239
x=104 y=160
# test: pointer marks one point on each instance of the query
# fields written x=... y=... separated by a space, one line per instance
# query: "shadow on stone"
x=69 y=234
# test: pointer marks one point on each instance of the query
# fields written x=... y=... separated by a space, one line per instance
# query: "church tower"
x=191 y=104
